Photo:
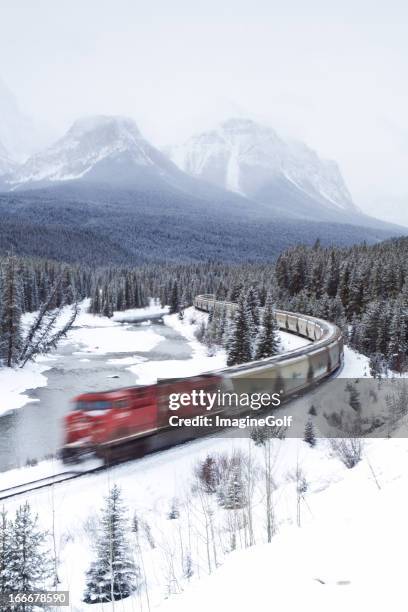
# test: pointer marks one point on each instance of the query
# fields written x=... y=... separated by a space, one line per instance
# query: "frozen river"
x=35 y=430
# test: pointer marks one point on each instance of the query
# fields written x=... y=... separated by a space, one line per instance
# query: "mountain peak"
x=247 y=157
x=94 y=123
x=88 y=142
x=238 y=124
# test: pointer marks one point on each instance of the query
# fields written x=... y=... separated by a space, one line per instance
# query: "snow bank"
x=100 y=335
x=346 y=556
x=14 y=382
x=135 y=314
x=201 y=361
x=114 y=340
x=355 y=365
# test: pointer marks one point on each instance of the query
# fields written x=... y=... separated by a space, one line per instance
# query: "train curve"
x=300 y=367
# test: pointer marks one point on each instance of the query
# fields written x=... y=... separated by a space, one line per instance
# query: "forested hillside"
x=101 y=226
x=364 y=289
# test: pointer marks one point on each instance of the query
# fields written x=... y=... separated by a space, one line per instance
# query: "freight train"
x=103 y=423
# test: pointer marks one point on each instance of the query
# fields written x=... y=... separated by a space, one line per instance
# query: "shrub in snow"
x=174 y=512
x=348 y=450
x=200 y=332
x=188 y=570
x=208 y=475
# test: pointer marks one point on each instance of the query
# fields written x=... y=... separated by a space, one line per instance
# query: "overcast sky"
x=334 y=74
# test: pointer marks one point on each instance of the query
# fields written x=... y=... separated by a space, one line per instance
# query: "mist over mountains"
x=102 y=193
x=20 y=136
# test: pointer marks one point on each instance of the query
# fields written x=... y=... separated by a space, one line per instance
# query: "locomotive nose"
x=77 y=425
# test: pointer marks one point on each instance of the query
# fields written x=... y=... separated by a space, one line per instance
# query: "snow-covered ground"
x=348 y=554
x=343 y=556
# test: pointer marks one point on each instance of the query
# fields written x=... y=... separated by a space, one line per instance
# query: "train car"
x=112 y=418
x=107 y=418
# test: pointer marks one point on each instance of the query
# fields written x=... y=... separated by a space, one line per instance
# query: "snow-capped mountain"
x=100 y=148
x=251 y=159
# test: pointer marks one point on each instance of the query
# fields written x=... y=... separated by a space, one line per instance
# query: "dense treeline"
x=363 y=288
x=176 y=285
x=37 y=276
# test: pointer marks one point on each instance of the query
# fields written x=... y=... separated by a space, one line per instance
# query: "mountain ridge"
x=103 y=186
x=251 y=159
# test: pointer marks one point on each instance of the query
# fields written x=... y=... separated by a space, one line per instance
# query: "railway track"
x=324 y=354
x=42 y=483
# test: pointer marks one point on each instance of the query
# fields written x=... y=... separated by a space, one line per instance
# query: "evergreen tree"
x=107 y=309
x=29 y=565
x=10 y=321
x=231 y=491
x=378 y=366
x=240 y=341
x=5 y=552
x=354 y=397
x=397 y=348
x=113 y=575
x=332 y=275
x=252 y=300
x=174 y=299
x=267 y=343
x=309 y=435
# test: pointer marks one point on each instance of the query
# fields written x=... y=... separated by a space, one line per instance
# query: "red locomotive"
x=104 y=422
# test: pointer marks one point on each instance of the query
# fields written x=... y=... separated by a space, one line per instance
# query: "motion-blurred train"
x=103 y=423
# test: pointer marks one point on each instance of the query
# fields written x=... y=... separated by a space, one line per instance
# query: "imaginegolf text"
x=208 y=401
x=240 y=422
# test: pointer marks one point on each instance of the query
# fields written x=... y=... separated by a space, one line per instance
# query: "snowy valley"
x=193 y=547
